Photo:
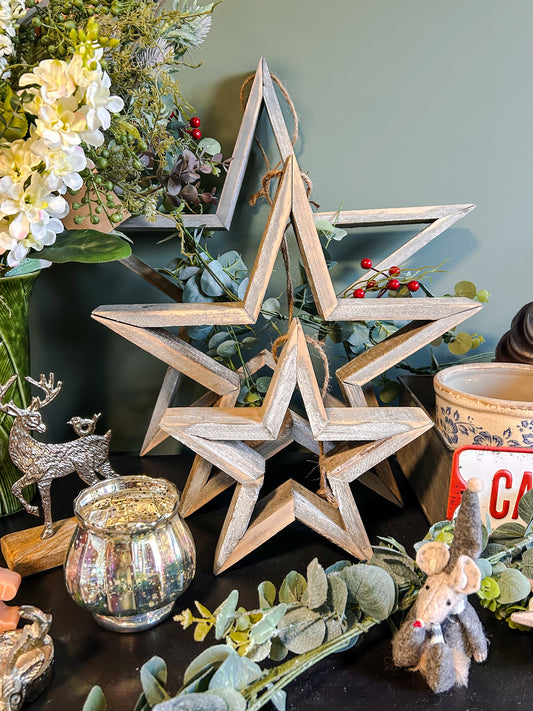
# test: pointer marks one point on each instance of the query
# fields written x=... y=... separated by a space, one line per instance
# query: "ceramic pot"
x=131 y=554
x=487 y=404
x=15 y=295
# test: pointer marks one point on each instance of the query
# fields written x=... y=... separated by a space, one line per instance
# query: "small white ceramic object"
x=488 y=404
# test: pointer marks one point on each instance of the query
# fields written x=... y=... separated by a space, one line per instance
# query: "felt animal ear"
x=432 y=557
x=466 y=576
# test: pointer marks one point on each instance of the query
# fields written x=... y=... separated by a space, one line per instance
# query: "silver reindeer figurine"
x=41 y=463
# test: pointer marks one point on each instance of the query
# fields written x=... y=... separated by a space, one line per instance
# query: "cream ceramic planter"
x=488 y=404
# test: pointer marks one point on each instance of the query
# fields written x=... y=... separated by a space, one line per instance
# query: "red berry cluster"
x=195 y=126
x=391 y=284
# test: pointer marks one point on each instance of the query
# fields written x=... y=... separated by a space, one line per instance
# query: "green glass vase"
x=15 y=295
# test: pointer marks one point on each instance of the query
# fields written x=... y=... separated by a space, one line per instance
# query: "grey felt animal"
x=442 y=630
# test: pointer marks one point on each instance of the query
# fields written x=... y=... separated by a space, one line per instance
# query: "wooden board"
x=427 y=461
x=27 y=553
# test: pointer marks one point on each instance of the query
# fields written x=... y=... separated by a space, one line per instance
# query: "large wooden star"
x=217 y=434
x=376 y=432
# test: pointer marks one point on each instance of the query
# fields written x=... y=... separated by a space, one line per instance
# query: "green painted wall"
x=406 y=103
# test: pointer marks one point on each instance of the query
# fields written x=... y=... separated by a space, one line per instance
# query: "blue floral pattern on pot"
x=452 y=427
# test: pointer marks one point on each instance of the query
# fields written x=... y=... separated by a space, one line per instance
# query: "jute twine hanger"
x=271 y=174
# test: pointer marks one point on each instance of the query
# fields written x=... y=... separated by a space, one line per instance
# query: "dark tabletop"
x=361 y=678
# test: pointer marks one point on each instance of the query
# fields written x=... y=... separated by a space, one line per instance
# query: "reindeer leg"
x=88 y=476
x=44 y=490
x=106 y=470
x=17 y=487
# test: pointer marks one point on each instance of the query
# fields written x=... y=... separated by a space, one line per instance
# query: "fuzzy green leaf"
x=372 y=588
x=317 y=585
x=508 y=531
x=153 y=680
x=193 y=702
x=235 y=672
x=514 y=586
x=337 y=595
x=95 y=701
x=302 y=629
x=527 y=563
x=525 y=506
x=87 y=247
x=292 y=588
x=267 y=594
x=225 y=614
x=266 y=627
x=212 y=657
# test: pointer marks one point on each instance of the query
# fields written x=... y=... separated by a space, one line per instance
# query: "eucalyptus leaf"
x=95 y=701
x=338 y=234
x=188 y=272
x=225 y=614
x=270 y=308
x=278 y=651
x=334 y=629
x=485 y=567
x=198 y=333
x=86 y=246
x=214 y=279
x=514 y=586
x=266 y=627
x=233 y=698
x=292 y=588
x=267 y=594
x=153 y=679
x=279 y=699
x=466 y=289
x=260 y=651
x=461 y=343
x=193 y=295
x=525 y=506
x=210 y=146
x=227 y=349
x=211 y=657
x=193 y=702
x=243 y=286
x=337 y=595
x=218 y=338
x=338 y=566
x=302 y=629
x=393 y=543
x=324 y=227
x=317 y=585
x=249 y=342
x=262 y=384
x=235 y=672
x=233 y=264
x=372 y=588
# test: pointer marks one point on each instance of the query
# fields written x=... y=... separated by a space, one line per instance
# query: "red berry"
x=413 y=285
x=393 y=284
x=195 y=122
x=394 y=271
x=196 y=134
x=366 y=263
x=372 y=284
x=359 y=294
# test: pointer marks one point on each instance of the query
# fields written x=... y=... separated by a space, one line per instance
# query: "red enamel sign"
x=506 y=474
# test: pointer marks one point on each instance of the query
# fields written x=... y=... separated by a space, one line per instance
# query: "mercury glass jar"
x=131 y=554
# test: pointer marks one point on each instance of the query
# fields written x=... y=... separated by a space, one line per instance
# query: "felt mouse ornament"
x=442 y=630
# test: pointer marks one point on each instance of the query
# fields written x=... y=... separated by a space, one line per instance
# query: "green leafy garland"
x=316 y=615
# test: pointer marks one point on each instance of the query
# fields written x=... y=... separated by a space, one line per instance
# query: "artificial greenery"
x=326 y=611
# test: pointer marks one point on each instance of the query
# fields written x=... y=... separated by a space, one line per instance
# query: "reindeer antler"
x=48 y=387
x=8 y=407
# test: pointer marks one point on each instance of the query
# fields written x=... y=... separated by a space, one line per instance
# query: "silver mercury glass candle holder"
x=131 y=554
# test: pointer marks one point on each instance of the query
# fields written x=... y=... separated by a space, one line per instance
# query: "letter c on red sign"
x=507 y=476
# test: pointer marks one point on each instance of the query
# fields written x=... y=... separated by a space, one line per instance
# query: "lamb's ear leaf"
x=432 y=557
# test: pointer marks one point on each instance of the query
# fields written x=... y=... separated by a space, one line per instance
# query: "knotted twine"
x=271 y=174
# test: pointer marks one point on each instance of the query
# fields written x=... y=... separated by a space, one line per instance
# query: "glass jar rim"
x=107 y=486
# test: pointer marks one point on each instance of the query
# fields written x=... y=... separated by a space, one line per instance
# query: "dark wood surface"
x=361 y=678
